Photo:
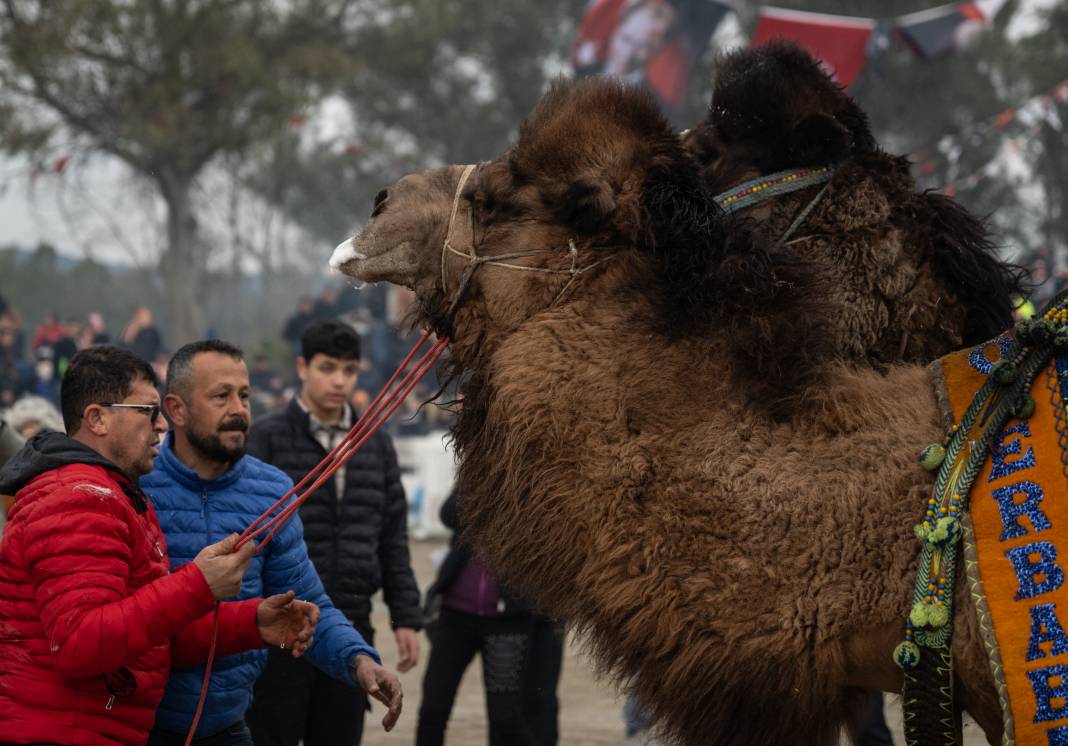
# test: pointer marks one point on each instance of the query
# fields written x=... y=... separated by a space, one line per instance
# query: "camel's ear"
x=586 y=204
x=815 y=140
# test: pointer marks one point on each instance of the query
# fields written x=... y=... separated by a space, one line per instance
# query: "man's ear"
x=176 y=409
x=94 y=420
x=586 y=204
x=302 y=368
x=816 y=140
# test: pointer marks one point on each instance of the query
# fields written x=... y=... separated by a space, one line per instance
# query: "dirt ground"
x=590 y=710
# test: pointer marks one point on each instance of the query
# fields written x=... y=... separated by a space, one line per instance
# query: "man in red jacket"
x=90 y=617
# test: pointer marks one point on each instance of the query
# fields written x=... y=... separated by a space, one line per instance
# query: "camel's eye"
x=380 y=201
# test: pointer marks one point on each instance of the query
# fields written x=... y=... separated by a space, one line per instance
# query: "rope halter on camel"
x=474 y=261
x=740 y=197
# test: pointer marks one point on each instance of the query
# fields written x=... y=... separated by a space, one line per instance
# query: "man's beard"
x=210 y=446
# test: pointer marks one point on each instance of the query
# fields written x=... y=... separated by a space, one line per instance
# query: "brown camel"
x=932 y=282
x=751 y=572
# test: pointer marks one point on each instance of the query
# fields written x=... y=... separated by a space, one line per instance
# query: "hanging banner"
x=938 y=31
x=839 y=42
x=655 y=42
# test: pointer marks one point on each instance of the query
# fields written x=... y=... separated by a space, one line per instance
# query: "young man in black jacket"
x=355 y=527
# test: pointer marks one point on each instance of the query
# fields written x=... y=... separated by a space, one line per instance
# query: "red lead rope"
x=380 y=410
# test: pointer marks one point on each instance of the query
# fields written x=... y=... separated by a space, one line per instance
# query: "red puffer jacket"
x=90 y=618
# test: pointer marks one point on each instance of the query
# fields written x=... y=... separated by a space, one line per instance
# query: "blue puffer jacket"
x=195 y=512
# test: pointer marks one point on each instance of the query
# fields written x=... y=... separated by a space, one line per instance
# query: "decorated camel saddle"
x=1001 y=500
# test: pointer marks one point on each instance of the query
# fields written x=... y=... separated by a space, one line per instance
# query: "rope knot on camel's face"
x=451 y=236
x=516 y=258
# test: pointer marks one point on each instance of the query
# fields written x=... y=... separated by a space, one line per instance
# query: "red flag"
x=839 y=42
x=1004 y=119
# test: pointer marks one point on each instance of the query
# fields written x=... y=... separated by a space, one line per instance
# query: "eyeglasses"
x=152 y=410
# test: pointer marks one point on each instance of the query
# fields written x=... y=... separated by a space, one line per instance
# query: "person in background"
x=66 y=346
x=325 y=306
x=355 y=526
x=33 y=414
x=16 y=372
x=94 y=332
x=91 y=619
x=46 y=382
x=474 y=615
x=298 y=322
x=267 y=386
x=49 y=332
x=541 y=705
x=10 y=444
x=873 y=730
x=204 y=486
x=142 y=336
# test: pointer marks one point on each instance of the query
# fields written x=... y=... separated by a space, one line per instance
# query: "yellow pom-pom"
x=918 y=616
x=937 y=616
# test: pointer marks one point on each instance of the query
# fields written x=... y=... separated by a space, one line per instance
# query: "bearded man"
x=91 y=620
x=205 y=486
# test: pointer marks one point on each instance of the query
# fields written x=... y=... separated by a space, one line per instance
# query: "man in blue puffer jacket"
x=204 y=488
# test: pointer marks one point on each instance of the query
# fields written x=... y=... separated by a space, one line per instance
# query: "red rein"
x=380 y=410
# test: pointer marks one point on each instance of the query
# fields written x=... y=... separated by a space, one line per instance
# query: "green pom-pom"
x=1060 y=338
x=922 y=531
x=1035 y=331
x=918 y=615
x=907 y=655
x=932 y=457
x=1003 y=372
x=1024 y=408
x=937 y=616
x=1027 y=331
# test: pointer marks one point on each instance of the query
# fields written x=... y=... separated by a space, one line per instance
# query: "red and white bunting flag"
x=839 y=42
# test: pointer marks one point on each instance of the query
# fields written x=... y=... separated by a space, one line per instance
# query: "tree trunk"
x=179 y=265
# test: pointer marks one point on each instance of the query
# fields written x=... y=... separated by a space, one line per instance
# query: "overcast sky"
x=104 y=210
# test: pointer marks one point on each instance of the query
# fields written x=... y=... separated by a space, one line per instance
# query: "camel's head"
x=774 y=108
x=596 y=167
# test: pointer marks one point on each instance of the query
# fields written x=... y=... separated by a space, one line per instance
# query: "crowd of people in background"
x=33 y=360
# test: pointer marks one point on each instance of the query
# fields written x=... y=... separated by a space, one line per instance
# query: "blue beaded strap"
x=764 y=188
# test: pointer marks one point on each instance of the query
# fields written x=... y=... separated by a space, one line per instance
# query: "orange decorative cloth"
x=1016 y=543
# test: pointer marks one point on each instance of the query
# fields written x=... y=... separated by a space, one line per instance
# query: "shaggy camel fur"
x=931 y=281
x=751 y=573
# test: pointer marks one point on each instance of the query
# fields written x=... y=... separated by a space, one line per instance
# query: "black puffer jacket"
x=360 y=543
